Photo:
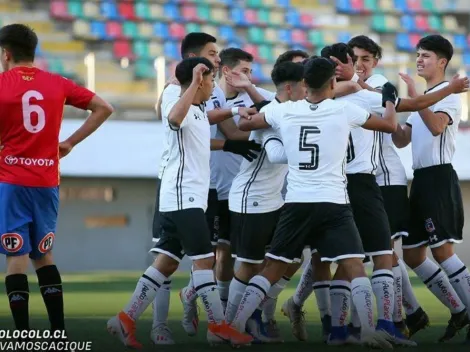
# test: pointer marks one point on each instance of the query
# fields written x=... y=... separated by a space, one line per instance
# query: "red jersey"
x=31 y=109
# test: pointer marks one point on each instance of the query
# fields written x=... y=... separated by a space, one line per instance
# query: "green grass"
x=91 y=299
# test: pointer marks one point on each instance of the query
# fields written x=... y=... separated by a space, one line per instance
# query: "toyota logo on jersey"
x=11 y=160
x=12 y=242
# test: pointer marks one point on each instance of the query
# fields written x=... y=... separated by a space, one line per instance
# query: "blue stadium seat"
x=460 y=41
x=401 y=5
x=171 y=11
x=293 y=18
x=238 y=16
x=408 y=23
x=344 y=37
x=227 y=33
x=171 y=50
x=344 y=6
x=403 y=41
x=257 y=72
x=109 y=10
x=160 y=30
x=285 y=35
x=98 y=29
x=466 y=58
x=283 y=3
x=235 y=44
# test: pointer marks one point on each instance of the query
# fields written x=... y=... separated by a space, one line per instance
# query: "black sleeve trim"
x=173 y=128
x=451 y=121
x=272 y=139
x=397 y=104
x=408 y=124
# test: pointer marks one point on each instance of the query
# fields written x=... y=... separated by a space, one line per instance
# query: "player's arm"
x=402 y=136
x=243 y=148
x=345 y=72
x=239 y=80
x=456 y=86
x=158 y=107
x=387 y=123
x=218 y=115
x=275 y=150
x=230 y=130
x=254 y=122
x=346 y=87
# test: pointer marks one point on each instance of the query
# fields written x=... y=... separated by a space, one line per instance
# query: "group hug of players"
x=328 y=133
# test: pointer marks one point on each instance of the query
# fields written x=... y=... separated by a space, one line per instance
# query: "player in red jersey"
x=31 y=109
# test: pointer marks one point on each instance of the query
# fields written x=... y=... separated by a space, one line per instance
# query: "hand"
x=243 y=148
x=410 y=83
x=172 y=80
x=344 y=71
x=64 y=149
x=198 y=73
x=238 y=80
x=246 y=113
x=389 y=93
x=459 y=85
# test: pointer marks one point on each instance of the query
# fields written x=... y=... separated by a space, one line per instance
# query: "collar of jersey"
x=316 y=103
x=437 y=85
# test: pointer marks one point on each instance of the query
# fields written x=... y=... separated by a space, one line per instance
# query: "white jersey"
x=172 y=93
x=428 y=150
x=257 y=186
x=227 y=165
x=362 y=155
x=185 y=179
x=315 y=138
x=390 y=169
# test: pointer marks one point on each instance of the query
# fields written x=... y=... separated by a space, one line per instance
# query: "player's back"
x=31 y=109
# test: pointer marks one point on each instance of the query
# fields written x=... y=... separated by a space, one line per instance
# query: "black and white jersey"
x=363 y=144
x=185 y=179
x=257 y=186
x=227 y=165
x=376 y=81
x=315 y=138
x=429 y=150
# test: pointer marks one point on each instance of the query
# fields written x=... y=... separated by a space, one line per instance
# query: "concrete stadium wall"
x=82 y=246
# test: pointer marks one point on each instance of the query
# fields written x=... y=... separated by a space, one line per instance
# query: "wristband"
x=355 y=78
x=235 y=111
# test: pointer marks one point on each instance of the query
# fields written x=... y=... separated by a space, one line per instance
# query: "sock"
x=410 y=302
x=145 y=292
x=204 y=282
x=268 y=305
x=459 y=278
x=382 y=285
x=161 y=304
x=269 y=309
x=340 y=296
x=236 y=291
x=438 y=283
x=305 y=286
x=18 y=296
x=322 y=295
x=361 y=291
x=50 y=284
x=189 y=292
x=397 y=285
x=355 y=320
x=253 y=296
x=224 y=287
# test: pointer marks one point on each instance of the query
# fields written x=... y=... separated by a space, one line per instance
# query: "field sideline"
x=92 y=298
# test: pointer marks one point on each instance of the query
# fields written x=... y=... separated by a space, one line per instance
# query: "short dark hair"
x=231 y=57
x=20 y=40
x=184 y=70
x=318 y=71
x=289 y=56
x=438 y=45
x=287 y=72
x=340 y=51
x=194 y=42
x=367 y=44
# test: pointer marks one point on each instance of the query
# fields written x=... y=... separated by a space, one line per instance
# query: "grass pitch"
x=92 y=298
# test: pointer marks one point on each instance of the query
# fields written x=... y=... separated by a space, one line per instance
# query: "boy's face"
x=242 y=67
x=211 y=53
x=365 y=63
x=207 y=86
x=428 y=63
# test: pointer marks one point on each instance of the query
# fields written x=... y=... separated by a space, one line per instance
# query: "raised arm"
x=402 y=137
x=387 y=123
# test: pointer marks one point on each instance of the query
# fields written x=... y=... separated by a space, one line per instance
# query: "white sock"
x=274 y=291
x=161 y=304
x=224 y=287
x=189 y=292
x=438 y=283
x=382 y=285
x=322 y=295
x=305 y=286
x=145 y=292
x=410 y=302
x=459 y=278
x=204 y=283
x=269 y=309
x=361 y=291
x=237 y=289
x=398 y=288
x=355 y=320
x=340 y=296
x=254 y=295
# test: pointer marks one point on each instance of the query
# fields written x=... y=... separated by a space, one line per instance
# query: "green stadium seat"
x=144 y=70
x=265 y=53
x=264 y=16
x=316 y=38
x=75 y=9
x=378 y=23
x=142 y=10
x=370 y=5
x=91 y=10
x=56 y=65
x=193 y=27
x=129 y=29
x=141 y=49
x=435 y=23
x=256 y=35
x=428 y=5
x=204 y=13
x=254 y=3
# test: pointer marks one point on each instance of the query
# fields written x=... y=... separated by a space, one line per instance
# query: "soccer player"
x=255 y=201
x=317 y=209
x=296 y=56
x=32 y=103
x=391 y=178
x=437 y=215
x=235 y=71
x=183 y=200
x=193 y=45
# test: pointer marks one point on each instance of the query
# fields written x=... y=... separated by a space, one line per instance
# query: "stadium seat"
x=450 y=23
x=256 y=35
x=422 y=23
x=414 y=39
x=435 y=23
x=344 y=37
x=122 y=49
x=357 y=6
x=204 y=13
x=114 y=30
x=386 y=6
x=141 y=50
x=189 y=13
x=81 y=29
x=264 y=17
x=126 y=10
x=157 y=12
x=414 y=5
x=299 y=36
x=145 y=30
x=292 y=17
x=466 y=58
x=91 y=10
x=254 y=3
x=142 y=10
x=59 y=9
x=252 y=49
x=265 y=53
x=251 y=16
x=401 y=6
x=129 y=30
x=193 y=27
x=56 y=65
x=285 y=35
x=227 y=33
x=257 y=74
x=403 y=42
x=155 y=49
x=237 y=15
x=210 y=29
x=370 y=6
x=177 y=30
x=343 y=6
x=271 y=35
x=75 y=9
x=316 y=38
x=144 y=70
x=160 y=30
x=171 y=50
x=306 y=20
x=276 y=18
x=408 y=23
x=109 y=10
x=429 y=6
x=171 y=12
x=460 y=42
x=283 y=3
x=98 y=30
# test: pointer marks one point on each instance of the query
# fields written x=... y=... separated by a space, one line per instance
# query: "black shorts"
x=184 y=232
x=369 y=214
x=397 y=207
x=436 y=208
x=328 y=227
x=211 y=214
x=251 y=233
x=222 y=223
x=156 y=214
